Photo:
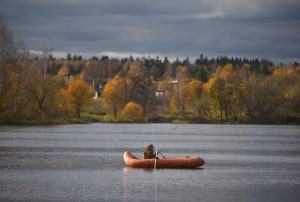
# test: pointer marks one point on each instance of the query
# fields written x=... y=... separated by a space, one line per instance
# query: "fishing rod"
x=173 y=132
x=157 y=150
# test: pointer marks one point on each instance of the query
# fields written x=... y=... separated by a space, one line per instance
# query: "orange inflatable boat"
x=172 y=162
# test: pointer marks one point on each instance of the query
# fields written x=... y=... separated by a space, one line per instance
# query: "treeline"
x=148 y=89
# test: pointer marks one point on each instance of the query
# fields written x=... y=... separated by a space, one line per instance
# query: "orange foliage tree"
x=65 y=69
x=77 y=95
x=114 y=95
x=288 y=87
x=142 y=88
x=194 y=93
x=224 y=90
x=63 y=104
x=132 y=112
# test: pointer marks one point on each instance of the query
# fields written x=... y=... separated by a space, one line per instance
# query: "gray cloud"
x=254 y=28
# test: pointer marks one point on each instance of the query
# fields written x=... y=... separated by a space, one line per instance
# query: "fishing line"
x=156 y=149
x=155 y=158
x=169 y=136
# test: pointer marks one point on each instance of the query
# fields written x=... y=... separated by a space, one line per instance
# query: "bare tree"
x=6 y=59
x=46 y=53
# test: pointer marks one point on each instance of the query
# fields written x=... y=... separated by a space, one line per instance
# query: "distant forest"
x=44 y=89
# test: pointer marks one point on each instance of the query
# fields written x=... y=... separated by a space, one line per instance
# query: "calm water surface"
x=84 y=163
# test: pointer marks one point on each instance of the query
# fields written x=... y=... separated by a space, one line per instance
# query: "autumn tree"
x=142 y=88
x=215 y=89
x=268 y=99
x=288 y=82
x=6 y=66
x=113 y=68
x=136 y=74
x=64 y=71
x=41 y=92
x=132 y=112
x=21 y=64
x=250 y=96
x=231 y=92
x=19 y=76
x=180 y=94
x=79 y=95
x=114 y=95
x=63 y=101
x=170 y=71
x=194 y=92
x=223 y=88
x=94 y=72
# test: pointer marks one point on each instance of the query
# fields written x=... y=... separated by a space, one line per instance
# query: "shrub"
x=132 y=112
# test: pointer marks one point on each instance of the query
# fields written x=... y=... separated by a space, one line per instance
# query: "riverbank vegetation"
x=44 y=89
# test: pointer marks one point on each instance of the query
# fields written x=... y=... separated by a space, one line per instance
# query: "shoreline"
x=89 y=118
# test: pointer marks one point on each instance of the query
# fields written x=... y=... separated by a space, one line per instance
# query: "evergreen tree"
x=69 y=57
x=201 y=74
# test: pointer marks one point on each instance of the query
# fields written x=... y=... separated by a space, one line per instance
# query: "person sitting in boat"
x=150 y=153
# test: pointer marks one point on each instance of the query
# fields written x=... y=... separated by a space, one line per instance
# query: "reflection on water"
x=130 y=169
x=84 y=163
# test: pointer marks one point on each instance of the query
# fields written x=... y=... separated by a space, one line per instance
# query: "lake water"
x=85 y=163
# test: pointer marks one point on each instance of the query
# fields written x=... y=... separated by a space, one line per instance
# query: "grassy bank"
x=102 y=118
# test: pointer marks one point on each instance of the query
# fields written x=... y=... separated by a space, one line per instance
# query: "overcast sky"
x=174 y=28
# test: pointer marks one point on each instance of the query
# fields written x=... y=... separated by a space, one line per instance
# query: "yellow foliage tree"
x=288 y=82
x=65 y=69
x=194 y=91
x=63 y=101
x=227 y=71
x=115 y=95
x=41 y=92
x=182 y=77
x=223 y=88
x=78 y=95
x=133 y=112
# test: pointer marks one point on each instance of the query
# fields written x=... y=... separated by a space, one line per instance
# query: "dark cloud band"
x=171 y=27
